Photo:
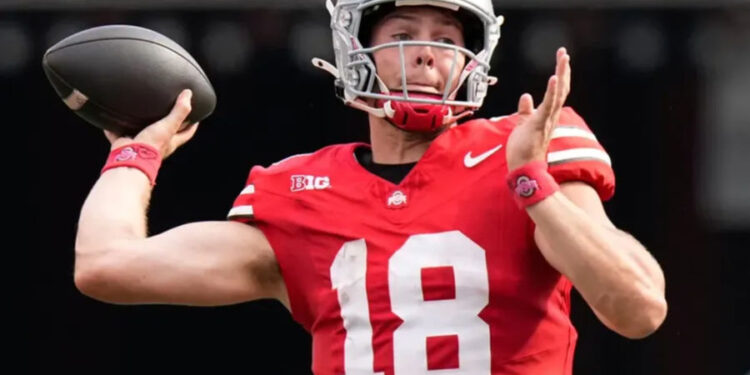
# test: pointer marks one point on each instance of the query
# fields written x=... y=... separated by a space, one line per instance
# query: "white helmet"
x=356 y=74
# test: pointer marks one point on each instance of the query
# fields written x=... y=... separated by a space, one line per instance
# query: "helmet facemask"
x=359 y=85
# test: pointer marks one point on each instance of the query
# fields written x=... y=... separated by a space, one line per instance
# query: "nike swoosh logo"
x=471 y=162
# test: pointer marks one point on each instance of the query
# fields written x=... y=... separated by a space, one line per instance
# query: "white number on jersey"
x=423 y=319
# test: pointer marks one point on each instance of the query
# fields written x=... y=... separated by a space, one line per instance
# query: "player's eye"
x=401 y=37
x=445 y=40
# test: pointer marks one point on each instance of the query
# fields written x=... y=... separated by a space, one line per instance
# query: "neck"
x=391 y=145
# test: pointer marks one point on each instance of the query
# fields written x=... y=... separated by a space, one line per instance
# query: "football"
x=123 y=77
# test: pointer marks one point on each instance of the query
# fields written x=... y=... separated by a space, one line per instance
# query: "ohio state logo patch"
x=397 y=200
x=126 y=154
x=526 y=187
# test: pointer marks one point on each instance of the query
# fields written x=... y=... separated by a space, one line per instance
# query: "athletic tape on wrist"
x=531 y=183
x=140 y=156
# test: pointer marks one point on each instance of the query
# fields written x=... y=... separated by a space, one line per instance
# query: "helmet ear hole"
x=364 y=76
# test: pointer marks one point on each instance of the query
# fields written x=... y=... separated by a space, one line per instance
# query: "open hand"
x=530 y=138
x=167 y=134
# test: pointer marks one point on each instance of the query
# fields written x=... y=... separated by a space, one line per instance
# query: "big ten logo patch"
x=304 y=182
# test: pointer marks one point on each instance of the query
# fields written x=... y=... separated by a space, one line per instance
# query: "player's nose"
x=423 y=56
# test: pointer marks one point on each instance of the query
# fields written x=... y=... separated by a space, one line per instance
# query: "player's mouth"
x=423 y=91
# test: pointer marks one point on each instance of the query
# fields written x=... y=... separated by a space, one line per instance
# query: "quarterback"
x=447 y=244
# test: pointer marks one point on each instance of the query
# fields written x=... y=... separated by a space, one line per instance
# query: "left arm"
x=615 y=274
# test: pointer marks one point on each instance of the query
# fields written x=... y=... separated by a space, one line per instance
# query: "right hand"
x=166 y=134
x=529 y=140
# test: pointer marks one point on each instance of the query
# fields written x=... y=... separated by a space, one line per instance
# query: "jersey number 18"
x=422 y=320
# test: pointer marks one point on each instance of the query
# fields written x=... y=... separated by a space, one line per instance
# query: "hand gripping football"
x=123 y=78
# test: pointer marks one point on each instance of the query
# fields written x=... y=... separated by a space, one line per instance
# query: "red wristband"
x=140 y=156
x=531 y=183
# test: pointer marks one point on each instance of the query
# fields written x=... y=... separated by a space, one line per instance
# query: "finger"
x=568 y=74
x=186 y=134
x=563 y=74
x=561 y=62
x=562 y=51
x=180 y=111
x=526 y=104
x=549 y=98
x=181 y=138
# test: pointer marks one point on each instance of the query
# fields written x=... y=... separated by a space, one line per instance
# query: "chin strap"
x=404 y=115
x=420 y=117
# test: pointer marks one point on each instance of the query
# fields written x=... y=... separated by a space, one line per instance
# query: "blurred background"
x=665 y=85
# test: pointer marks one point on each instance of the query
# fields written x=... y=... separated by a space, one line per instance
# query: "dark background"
x=648 y=102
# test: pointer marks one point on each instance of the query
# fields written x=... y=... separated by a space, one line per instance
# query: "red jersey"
x=439 y=272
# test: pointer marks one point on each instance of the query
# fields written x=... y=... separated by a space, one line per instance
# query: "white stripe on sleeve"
x=249 y=189
x=241 y=211
x=576 y=154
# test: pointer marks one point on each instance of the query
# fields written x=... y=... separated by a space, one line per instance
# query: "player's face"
x=428 y=69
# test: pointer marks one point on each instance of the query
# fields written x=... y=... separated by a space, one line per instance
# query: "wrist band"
x=531 y=183
x=140 y=156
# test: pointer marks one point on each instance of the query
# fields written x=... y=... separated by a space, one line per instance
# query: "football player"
x=446 y=243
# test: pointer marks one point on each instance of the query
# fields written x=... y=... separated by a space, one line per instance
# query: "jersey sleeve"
x=261 y=204
x=242 y=209
x=575 y=154
x=262 y=192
